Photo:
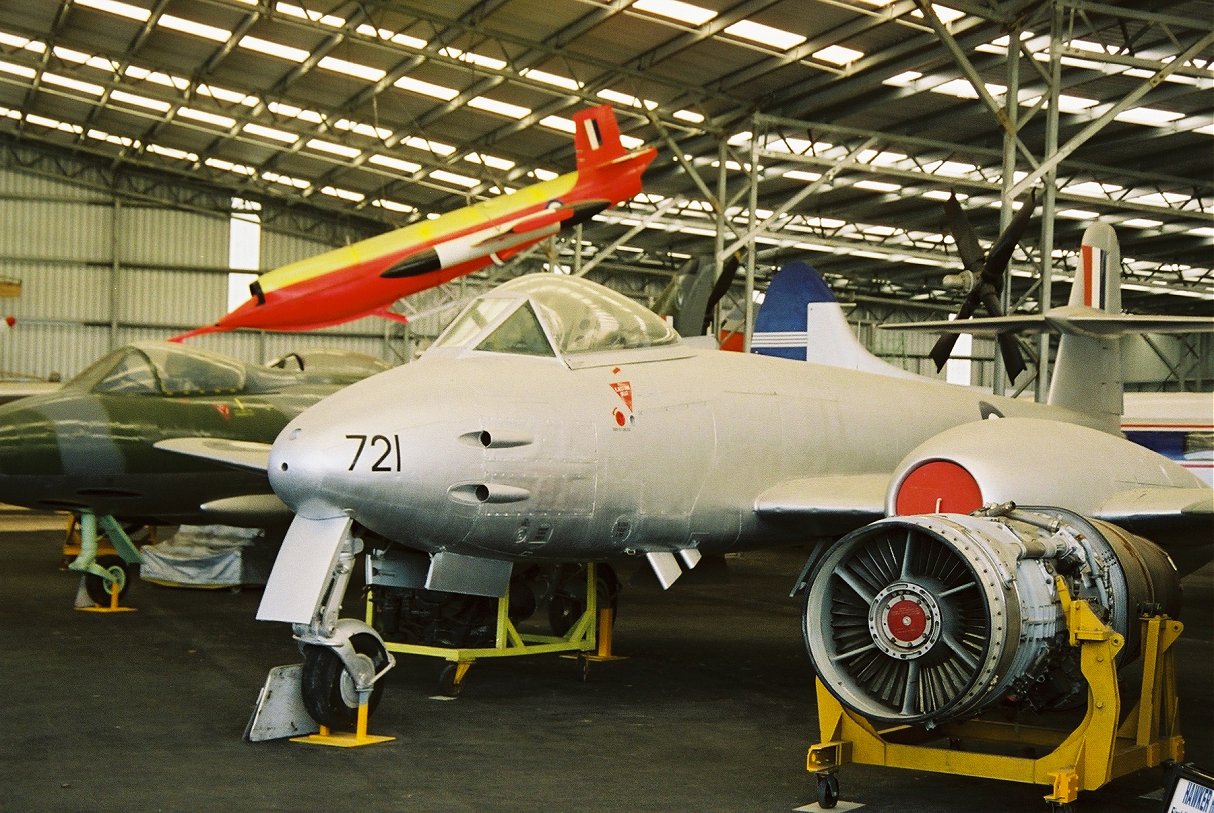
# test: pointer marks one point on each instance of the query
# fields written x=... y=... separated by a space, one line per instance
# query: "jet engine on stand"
x=916 y=624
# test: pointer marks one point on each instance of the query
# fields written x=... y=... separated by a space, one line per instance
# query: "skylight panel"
x=1078 y=214
x=676 y=10
x=70 y=55
x=946 y=14
x=273 y=49
x=119 y=141
x=489 y=160
x=53 y=124
x=205 y=117
x=363 y=129
x=560 y=123
x=904 y=79
x=689 y=116
x=333 y=149
x=510 y=111
x=391 y=36
x=1166 y=200
x=230 y=166
x=426 y=88
x=453 y=178
x=544 y=174
x=286 y=180
x=962 y=89
x=398 y=164
x=1202 y=231
x=311 y=16
x=18 y=70
x=480 y=60
x=631 y=142
x=1092 y=189
x=14 y=41
x=140 y=101
x=837 y=54
x=802 y=175
x=1141 y=223
x=181 y=24
x=551 y=79
x=344 y=194
x=1149 y=116
x=230 y=96
x=626 y=99
x=120 y=9
x=393 y=206
x=765 y=34
x=427 y=145
x=270 y=133
x=291 y=111
x=877 y=186
x=347 y=68
x=158 y=78
x=172 y=152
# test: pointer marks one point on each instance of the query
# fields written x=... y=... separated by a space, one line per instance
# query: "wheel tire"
x=567 y=606
x=447 y=685
x=327 y=688
x=97 y=587
x=828 y=791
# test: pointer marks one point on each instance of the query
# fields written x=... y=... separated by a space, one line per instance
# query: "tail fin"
x=1087 y=370
x=801 y=319
x=596 y=137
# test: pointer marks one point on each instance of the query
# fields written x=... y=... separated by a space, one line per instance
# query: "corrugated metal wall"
x=96 y=274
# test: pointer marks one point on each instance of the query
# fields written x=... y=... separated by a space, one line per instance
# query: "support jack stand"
x=345 y=739
x=1101 y=748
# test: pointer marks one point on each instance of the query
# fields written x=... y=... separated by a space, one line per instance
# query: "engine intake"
x=929 y=618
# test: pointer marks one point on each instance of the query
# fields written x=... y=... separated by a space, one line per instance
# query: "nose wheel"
x=329 y=689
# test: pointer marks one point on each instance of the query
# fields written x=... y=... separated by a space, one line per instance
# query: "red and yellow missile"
x=365 y=278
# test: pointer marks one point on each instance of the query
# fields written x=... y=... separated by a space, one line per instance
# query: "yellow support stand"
x=345 y=739
x=582 y=638
x=1101 y=748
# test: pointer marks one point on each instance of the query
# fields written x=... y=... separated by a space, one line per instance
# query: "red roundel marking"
x=906 y=621
x=938 y=486
x=619 y=417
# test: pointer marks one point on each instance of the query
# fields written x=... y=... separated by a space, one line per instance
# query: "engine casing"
x=929 y=618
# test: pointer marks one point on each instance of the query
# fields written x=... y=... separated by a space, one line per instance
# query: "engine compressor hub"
x=904 y=620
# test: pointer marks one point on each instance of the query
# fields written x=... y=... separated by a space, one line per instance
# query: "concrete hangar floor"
x=712 y=711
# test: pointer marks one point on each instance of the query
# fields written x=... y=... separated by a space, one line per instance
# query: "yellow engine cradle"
x=1101 y=748
x=509 y=642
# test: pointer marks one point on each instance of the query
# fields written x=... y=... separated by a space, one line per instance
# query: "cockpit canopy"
x=556 y=315
x=166 y=369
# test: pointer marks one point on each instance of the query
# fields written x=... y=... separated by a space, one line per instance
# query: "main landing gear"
x=105 y=578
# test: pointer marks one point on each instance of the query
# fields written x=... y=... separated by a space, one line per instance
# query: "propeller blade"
x=963 y=234
x=943 y=348
x=1013 y=359
x=1001 y=252
x=723 y=283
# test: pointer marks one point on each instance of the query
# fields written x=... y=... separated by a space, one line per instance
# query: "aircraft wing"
x=1085 y=321
x=242 y=454
x=1134 y=506
x=826 y=505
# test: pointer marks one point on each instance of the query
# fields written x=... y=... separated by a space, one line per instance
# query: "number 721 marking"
x=389 y=458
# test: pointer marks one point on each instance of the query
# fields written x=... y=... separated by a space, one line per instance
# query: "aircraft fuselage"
x=512 y=456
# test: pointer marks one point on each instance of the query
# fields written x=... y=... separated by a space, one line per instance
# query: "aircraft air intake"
x=925 y=619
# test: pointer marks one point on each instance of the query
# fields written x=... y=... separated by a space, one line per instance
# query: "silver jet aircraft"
x=558 y=421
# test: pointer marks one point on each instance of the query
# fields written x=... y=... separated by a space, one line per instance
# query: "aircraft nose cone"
x=305 y=472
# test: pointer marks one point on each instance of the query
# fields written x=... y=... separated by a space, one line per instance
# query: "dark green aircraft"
x=89 y=447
